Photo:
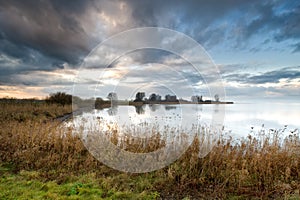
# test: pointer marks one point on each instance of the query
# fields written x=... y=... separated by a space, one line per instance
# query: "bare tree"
x=112 y=96
x=217 y=98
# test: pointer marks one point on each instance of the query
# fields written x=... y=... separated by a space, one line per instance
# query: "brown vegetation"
x=266 y=167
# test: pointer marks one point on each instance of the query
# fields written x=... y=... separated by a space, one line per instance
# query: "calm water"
x=237 y=119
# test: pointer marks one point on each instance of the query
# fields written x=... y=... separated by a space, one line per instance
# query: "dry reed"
x=266 y=167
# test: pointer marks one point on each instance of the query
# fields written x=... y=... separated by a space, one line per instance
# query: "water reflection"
x=140 y=109
x=154 y=107
x=173 y=116
x=125 y=126
x=240 y=119
x=174 y=127
x=216 y=108
x=168 y=107
x=113 y=110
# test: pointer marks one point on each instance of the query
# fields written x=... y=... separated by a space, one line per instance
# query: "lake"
x=109 y=133
x=238 y=120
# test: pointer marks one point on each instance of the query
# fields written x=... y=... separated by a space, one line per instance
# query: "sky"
x=253 y=45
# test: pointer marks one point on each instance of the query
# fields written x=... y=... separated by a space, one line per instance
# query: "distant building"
x=171 y=98
x=196 y=99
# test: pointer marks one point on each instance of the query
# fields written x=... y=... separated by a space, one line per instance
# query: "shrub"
x=59 y=98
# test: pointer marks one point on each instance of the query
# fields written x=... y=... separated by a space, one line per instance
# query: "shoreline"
x=107 y=104
x=175 y=102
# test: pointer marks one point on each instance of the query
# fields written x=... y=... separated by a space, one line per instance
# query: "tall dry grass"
x=22 y=111
x=266 y=166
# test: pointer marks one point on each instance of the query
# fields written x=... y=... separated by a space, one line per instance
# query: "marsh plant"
x=265 y=165
x=141 y=147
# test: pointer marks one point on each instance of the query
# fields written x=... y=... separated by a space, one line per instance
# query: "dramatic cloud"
x=40 y=26
x=288 y=73
x=40 y=38
x=279 y=19
x=278 y=84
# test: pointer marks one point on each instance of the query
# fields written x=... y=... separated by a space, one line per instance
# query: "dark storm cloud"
x=288 y=73
x=214 y=22
x=265 y=18
x=44 y=26
x=188 y=12
x=54 y=29
x=279 y=19
x=21 y=59
x=192 y=17
x=43 y=35
x=40 y=36
x=25 y=56
x=290 y=28
x=297 y=47
x=275 y=76
x=142 y=56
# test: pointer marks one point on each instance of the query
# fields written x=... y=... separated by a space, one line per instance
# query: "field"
x=42 y=160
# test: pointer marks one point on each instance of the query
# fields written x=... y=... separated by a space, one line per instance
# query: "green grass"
x=30 y=185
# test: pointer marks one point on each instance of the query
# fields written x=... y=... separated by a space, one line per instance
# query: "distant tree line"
x=66 y=99
x=59 y=98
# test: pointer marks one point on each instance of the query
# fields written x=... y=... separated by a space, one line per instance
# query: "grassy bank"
x=32 y=185
x=40 y=159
